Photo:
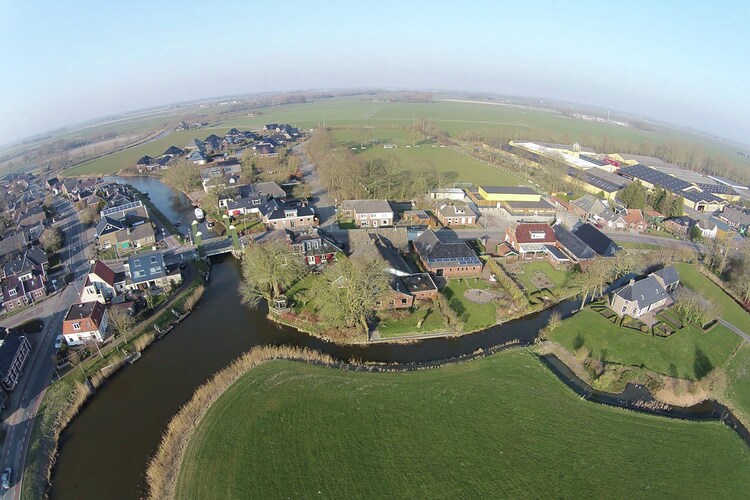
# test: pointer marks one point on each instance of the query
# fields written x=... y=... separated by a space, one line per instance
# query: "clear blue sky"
x=684 y=62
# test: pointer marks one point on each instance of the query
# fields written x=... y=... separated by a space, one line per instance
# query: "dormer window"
x=537 y=235
x=76 y=326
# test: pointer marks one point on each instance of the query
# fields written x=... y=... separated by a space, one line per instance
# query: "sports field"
x=499 y=427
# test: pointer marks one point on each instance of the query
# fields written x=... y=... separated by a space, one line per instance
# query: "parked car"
x=6 y=478
x=58 y=341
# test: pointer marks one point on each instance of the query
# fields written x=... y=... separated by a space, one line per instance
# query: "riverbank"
x=353 y=423
x=66 y=396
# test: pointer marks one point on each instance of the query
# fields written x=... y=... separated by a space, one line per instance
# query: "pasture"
x=498 y=427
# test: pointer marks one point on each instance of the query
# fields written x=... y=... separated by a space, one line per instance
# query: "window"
x=76 y=326
x=403 y=301
x=364 y=223
x=362 y=216
x=537 y=235
x=624 y=308
x=385 y=222
x=256 y=202
x=153 y=259
x=12 y=292
x=136 y=263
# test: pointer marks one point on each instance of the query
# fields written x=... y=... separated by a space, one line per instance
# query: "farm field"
x=689 y=353
x=347 y=114
x=499 y=427
x=444 y=160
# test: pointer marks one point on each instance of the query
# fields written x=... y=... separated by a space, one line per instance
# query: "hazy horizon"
x=670 y=62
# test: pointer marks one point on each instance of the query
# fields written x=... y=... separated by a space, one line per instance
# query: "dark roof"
x=174 y=151
x=439 y=254
x=101 y=269
x=598 y=241
x=653 y=176
x=644 y=292
x=668 y=274
x=144 y=160
x=420 y=282
x=682 y=220
x=10 y=343
x=593 y=159
x=557 y=253
x=573 y=243
x=508 y=190
x=146 y=266
x=599 y=178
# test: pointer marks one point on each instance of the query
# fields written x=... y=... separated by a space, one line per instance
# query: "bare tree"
x=268 y=270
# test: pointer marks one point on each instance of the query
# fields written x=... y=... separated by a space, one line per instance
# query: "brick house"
x=455 y=214
x=451 y=260
x=531 y=240
x=85 y=322
x=368 y=213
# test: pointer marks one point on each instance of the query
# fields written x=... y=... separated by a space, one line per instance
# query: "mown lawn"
x=689 y=353
x=730 y=310
x=444 y=160
x=499 y=427
x=558 y=277
x=392 y=326
x=474 y=316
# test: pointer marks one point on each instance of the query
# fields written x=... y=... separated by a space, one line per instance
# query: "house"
x=27 y=264
x=639 y=297
x=530 y=240
x=451 y=260
x=737 y=218
x=455 y=214
x=421 y=286
x=173 y=151
x=708 y=228
x=417 y=218
x=197 y=157
x=668 y=277
x=315 y=246
x=634 y=220
x=125 y=227
x=265 y=148
x=506 y=253
x=248 y=198
x=212 y=143
x=14 y=350
x=280 y=214
x=85 y=322
x=368 y=213
x=679 y=225
x=572 y=244
x=220 y=173
x=144 y=161
x=53 y=185
x=148 y=270
x=587 y=206
x=598 y=241
x=32 y=217
x=102 y=284
x=12 y=243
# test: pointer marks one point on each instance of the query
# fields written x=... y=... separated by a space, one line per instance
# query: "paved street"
x=24 y=401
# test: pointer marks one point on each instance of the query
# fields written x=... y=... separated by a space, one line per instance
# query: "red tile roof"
x=523 y=233
x=634 y=216
x=105 y=273
x=88 y=314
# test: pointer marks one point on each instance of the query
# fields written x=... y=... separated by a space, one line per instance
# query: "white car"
x=58 y=341
x=6 y=478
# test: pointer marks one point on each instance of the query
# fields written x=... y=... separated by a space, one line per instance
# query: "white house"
x=101 y=285
x=85 y=322
x=708 y=228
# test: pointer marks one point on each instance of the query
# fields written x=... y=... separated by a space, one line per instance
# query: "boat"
x=198 y=214
x=134 y=357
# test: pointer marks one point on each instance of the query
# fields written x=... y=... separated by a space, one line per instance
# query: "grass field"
x=444 y=160
x=558 y=277
x=354 y=137
x=456 y=118
x=474 y=316
x=738 y=373
x=730 y=310
x=391 y=326
x=499 y=427
x=689 y=353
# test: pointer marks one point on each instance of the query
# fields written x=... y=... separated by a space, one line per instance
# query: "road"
x=653 y=240
x=735 y=329
x=323 y=207
x=23 y=403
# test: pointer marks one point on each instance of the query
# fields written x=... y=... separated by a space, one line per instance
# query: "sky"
x=680 y=62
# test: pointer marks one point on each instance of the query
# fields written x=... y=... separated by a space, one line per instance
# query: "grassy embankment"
x=65 y=397
x=501 y=426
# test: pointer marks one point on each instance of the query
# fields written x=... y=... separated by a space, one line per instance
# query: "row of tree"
x=635 y=195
